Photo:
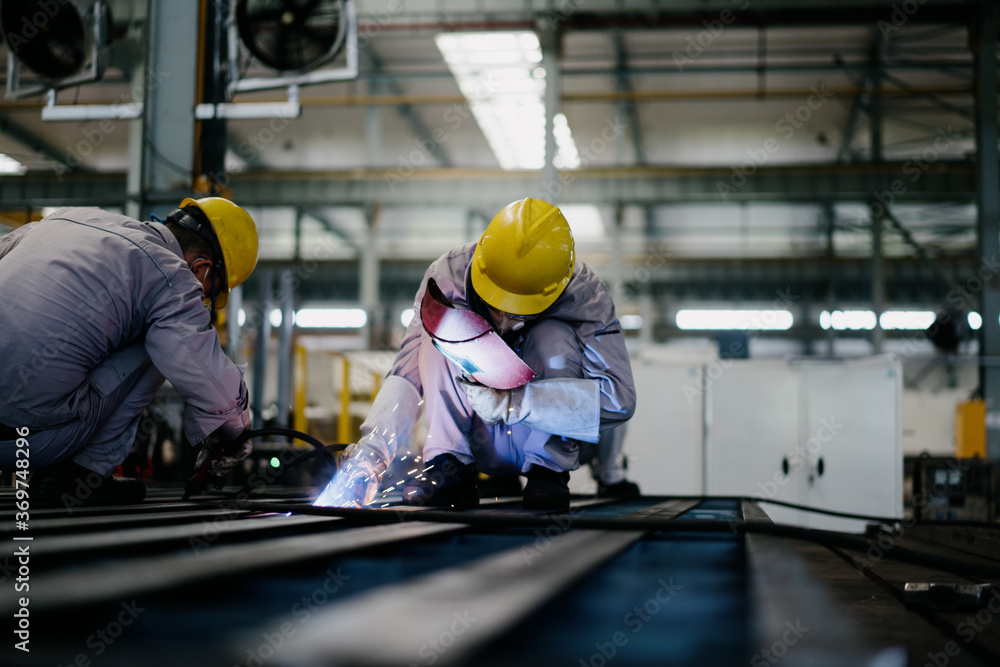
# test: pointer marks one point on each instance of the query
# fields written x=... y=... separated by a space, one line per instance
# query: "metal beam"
x=409 y=114
x=627 y=106
x=497 y=591
x=984 y=43
x=492 y=189
x=88 y=584
x=37 y=144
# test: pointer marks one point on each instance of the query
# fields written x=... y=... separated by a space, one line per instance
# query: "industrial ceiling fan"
x=292 y=35
x=61 y=43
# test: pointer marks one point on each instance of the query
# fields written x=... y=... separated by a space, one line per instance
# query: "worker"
x=607 y=464
x=522 y=276
x=96 y=310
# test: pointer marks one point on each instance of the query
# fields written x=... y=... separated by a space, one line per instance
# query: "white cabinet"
x=817 y=433
x=752 y=432
x=852 y=430
x=665 y=454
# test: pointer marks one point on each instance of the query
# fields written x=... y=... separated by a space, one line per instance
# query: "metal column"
x=260 y=355
x=988 y=211
x=549 y=38
x=878 y=224
x=369 y=277
x=234 y=329
x=165 y=135
x=878 y=281
x=287 y=281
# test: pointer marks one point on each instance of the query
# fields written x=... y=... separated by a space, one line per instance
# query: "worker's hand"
x=492 y=405
x=216 y=459
x=356 y=481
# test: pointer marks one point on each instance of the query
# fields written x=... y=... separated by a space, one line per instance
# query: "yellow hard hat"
x=524 y=259
x=237 y=236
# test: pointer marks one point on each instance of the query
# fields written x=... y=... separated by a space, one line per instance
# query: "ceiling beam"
x=37 y=144
x=492 y=189
x=408 y=113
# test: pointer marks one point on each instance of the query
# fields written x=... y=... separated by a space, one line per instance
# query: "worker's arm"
x=184 y=346
x=392 y=416
x=576 y=408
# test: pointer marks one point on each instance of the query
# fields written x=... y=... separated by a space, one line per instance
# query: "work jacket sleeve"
x=605 y=358
x=184 y=346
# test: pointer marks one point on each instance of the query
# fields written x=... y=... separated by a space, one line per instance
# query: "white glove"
x=356 y=481
x=390 y=421
x=568 y=407
x=222 y=455
x=492 y=405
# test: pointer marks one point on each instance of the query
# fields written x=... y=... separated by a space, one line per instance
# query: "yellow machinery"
x=970 y=429
x=346 y=432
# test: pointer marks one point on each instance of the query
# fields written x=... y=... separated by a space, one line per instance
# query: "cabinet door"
x=851 y=424
x=751 y=432
x=663 y=439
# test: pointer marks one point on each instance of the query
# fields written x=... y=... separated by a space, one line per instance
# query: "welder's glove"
x=391 y=419
x=357 y=479
x=493 y=405
x=217 y=458
x=222 y=455
x=568 y=407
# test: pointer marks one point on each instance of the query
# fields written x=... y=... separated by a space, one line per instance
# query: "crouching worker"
x=558 y=317
x=96 y=310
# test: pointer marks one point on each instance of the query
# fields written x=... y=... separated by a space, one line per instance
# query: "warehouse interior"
x=794 y=205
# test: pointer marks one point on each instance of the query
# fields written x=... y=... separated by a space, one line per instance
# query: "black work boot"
x=546 y=490
x=68 y=485
x=623 y=489
x=447 y=482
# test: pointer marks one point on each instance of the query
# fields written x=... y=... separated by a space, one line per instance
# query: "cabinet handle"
x=820 y=467
x=784 y=465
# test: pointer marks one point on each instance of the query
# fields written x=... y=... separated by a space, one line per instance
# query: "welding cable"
x=319 y=449
x=639 y=524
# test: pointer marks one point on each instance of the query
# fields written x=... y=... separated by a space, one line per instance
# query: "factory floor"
x=651 y=581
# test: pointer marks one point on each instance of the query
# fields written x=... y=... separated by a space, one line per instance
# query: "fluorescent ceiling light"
x=735 y=320
x=331 y=318
x=585 y=221
x=854 y=320
x=913 y=320
x=499 y=75
x=9 y=165
x=275 y=318
x=631 y=322
x=975 y=320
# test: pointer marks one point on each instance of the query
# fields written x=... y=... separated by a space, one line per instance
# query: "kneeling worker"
x=96 y=310
x=558 y=317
